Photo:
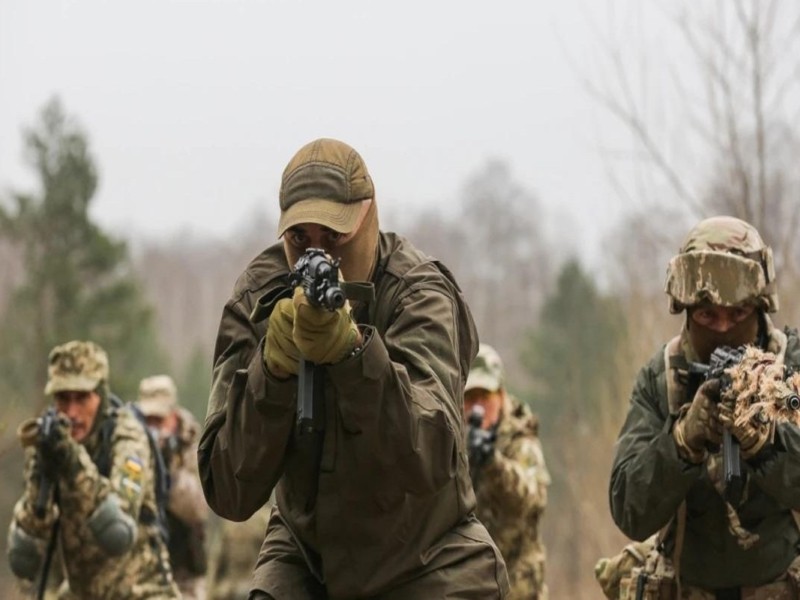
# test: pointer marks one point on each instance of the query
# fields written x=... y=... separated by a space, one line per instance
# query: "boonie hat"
x=486 y=372
x=76 y=366
x=158 y=396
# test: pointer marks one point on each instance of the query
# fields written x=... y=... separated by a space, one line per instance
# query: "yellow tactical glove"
x=321 y=335
x=698 y=423
x=751 y=433
x=280 y=352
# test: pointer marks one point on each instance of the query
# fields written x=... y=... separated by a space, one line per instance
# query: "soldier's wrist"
x=686 y=451
x=755 y=448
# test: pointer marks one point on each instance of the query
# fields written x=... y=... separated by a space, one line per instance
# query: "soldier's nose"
x=72 y=411
x=723 y=324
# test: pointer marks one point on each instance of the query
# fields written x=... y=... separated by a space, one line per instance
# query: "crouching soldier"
x=90 y=487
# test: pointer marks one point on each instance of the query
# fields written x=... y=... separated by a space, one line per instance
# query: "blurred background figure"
x=232 y=556
x=176 y=430
x=508 y=471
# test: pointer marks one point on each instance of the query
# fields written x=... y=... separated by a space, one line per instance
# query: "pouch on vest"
x=611 y=571
x=640 y=585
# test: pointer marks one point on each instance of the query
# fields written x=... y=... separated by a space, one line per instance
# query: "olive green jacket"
x=390 y=477
x=649 y=481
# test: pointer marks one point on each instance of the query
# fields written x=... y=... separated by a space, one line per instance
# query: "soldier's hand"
x=698 y=424
x=280 y=352
x=321 y=335
x=56 y=446
x=28 y=432
x=751 y=433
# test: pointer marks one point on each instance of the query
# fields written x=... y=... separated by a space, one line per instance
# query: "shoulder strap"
x=161 y=475
x=676 y=396
x=676 y=390
x=777 y=344
x=103 y=458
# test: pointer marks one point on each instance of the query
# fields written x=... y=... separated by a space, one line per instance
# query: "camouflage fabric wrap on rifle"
x=757 y=398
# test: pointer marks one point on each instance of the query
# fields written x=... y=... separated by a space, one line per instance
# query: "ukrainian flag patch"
x=133 y=466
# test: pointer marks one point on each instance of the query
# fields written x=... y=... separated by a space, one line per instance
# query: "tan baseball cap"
x=324 y=183
x=158 y=396
x=486 y=372
x=76 y=366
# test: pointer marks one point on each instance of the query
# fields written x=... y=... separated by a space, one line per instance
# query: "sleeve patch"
x=133 y=467
x=132 y=486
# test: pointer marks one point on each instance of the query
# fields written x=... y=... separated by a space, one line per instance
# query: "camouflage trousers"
x=784 y=589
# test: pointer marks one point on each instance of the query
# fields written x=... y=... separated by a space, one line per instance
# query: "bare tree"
x=716 y=137
x=497 y=250
x=189 y=278
x=710 y=104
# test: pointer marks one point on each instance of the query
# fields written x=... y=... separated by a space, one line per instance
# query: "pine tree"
x=573 y=356
x=196 y=382
x=77 y=281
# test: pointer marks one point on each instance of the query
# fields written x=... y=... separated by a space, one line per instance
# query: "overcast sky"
x=194 y=107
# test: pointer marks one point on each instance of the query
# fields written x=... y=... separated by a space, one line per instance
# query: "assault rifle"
x=480 y=442
x=319 y=276
x=38 y=432
x=722 y=359
x=45 y=423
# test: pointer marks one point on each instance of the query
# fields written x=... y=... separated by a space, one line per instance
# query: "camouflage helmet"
x=76 y=367
x=486 y=372
x=158 y=396
x=724 y=261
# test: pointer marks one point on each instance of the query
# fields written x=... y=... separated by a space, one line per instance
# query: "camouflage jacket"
x=187 y=511
x=373 y=506
x=649 y=481
x=143 y=571
x=512 y=494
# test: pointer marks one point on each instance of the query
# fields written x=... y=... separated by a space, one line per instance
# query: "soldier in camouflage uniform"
x=187 y=512
x=511 y=481
x=666 y=473
x=102 y=502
